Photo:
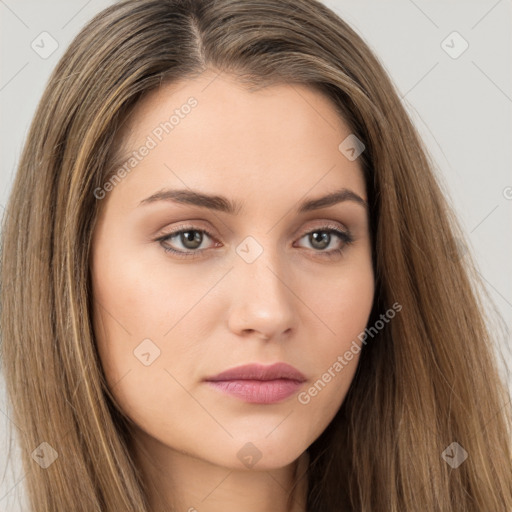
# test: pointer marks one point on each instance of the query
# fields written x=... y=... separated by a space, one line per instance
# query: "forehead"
x=213 y=131
x=221 y=93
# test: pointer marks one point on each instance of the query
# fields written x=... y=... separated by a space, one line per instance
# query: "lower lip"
x=258 y=391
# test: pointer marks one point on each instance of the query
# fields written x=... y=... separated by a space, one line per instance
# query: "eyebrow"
x=223 y=204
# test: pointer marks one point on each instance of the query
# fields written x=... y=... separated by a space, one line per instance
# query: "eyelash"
x=345 y=236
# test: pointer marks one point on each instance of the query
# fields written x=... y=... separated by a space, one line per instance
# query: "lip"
x=256 y=383
x=260 y=372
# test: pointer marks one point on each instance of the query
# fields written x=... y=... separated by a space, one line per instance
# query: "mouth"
x=255 y=383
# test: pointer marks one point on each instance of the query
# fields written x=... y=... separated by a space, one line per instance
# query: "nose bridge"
x=262 y=300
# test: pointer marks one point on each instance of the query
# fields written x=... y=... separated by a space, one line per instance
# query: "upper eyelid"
x=323 y=224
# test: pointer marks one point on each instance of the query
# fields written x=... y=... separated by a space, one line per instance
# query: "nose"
x=262 y=300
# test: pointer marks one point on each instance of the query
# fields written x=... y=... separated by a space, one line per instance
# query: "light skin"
x=269 y=150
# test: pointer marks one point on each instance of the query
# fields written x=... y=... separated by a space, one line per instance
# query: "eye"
x=191 y=241
x=320 y=239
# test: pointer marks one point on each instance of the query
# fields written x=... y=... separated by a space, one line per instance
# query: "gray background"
x=461 y=106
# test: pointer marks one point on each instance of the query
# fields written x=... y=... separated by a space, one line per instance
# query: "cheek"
x=343 y=306
x=342 y=301
x=134 y=299
x=142 y=329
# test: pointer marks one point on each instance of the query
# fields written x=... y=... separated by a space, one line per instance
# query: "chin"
x=262 y=454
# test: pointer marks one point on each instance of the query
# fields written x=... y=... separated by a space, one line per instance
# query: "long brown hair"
x=429 y=379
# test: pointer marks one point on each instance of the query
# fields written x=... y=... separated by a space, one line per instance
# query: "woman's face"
x=267 y=281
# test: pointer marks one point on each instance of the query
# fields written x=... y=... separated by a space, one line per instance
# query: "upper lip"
x=260 y=372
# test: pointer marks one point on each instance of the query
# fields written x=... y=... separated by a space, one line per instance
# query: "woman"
x=230 y=279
